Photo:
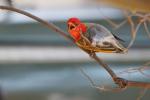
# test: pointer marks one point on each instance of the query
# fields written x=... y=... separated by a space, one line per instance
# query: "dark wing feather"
x=97 y=32
x=118 y=38
x=103 y=38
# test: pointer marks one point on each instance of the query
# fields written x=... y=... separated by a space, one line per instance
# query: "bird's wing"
x=102 y=31
x=118 y=38
x=103 y=38
x=98 y=33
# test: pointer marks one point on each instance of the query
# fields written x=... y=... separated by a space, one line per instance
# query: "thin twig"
x=133 y=34
x=101 y=88
x=112 y=23
x=140 y=69
x=93 y=84
x=138 y=84
x=146 y=29
x=102 y=63
x=135 y=29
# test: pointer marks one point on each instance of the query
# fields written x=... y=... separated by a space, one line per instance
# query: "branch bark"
x=122 y=83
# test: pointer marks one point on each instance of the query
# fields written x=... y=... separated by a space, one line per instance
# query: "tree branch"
x=138 y=84
x=122 y=83
x=45 y=23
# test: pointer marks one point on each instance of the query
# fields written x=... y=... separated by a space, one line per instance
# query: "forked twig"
x=101 y=88
x=135 y=29
x=122 y=83
x=140 y=69
x=112 y=23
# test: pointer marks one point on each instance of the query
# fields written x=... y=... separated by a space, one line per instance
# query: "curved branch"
x=105 y=66
x=138 y=84
x=45 y=23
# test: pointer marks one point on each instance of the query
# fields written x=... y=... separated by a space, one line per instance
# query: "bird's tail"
x=119 y=47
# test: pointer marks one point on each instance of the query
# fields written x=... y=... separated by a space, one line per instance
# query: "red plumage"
x=78 y=28
x=74 y=20
x=94 y=37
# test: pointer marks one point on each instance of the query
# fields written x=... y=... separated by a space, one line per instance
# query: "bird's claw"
x=92 y=54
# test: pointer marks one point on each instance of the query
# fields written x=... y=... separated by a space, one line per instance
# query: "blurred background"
x=39 y=64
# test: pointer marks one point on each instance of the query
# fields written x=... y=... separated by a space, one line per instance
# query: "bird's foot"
x=126 y=50
x=92 y=54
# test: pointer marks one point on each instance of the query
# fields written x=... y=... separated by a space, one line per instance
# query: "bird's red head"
x=76 y=28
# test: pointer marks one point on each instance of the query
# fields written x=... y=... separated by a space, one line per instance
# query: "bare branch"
x=133 y=34
x=140 y=69
x=135 y=29
x=45 y=23
x=105 y=66
x=138 y=84
x=93 y=84
x=112 y=23
x=146 y=29
x=101 y=88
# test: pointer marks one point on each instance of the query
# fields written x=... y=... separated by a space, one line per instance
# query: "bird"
x=93 y=37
